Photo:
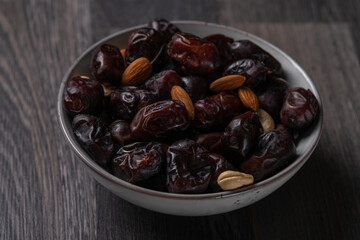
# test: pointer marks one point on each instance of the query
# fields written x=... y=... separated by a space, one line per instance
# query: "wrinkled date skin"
x=188 y=168
x=299 y=109
x=219 y=165
x=145 y=42
x=93 y=135
x=223 y=44
x=197 y=87
x=196 y=55
x=120 y=132
x=271 y=96
x=246 y=49
x=82 y=95
x=211 y=141
x=159 y=118
x=165 y=27
x=275 y=151
x=253 y=70
x=161 y=83
x=217 y=110
x=138 y=161
x=107 y=65
x=242 y=134
x=125 y=103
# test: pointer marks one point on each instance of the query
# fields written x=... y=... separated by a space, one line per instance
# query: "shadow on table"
x=318 y=203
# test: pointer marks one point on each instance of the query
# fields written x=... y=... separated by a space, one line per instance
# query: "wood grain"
x=46 y=194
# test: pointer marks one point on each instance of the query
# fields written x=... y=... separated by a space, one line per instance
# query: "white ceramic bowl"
x=195 y=204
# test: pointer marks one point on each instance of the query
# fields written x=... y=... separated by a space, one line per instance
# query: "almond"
x=248 y=98
x=230 y=180
x=123 y=52
x=137 y=72
x=178 y=93
x=227 y=83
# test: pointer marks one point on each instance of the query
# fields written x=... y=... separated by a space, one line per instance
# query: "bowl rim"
x=86 y=158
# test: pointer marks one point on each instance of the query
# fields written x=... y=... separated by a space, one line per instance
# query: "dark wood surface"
x=46 y=194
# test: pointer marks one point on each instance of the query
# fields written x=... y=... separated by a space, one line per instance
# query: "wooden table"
x=46 y=194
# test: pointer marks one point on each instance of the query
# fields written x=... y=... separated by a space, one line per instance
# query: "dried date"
x=246 y=49
x=138 y=161
x=120 y=132
x=197 y=87
x=161 y=83
x=158 y=119
x=271 y=96
x=242 y=134
x=107 y=65
x=211 y=141
x=165 y=27
x=83 y=95
x=275 y=151
x=253 y=70
x=126 y=102
x=214 y=111
x=145 y=42
x=223 y=44
x=189 y=168
x=196 y=55
x=94 y=136
x=299 y=109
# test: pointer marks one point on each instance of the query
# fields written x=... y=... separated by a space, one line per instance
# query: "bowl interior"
x=294 y=74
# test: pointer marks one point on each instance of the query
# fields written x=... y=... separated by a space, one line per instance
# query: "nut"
x=123 y=52
x=267 y=122
x=178 y=93
x=107 y=90
x=137 y=72
x=227 y=83
x=248 y=98
x=230 y=180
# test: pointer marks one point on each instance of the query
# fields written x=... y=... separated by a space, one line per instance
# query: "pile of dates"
x=172 y=111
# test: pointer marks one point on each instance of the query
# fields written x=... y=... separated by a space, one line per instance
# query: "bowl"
x=195 y=204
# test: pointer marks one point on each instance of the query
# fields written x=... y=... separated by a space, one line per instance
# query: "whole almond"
x=178 y=93
x=230 y=180
x=267 y=122
x=248 y=98
x=137 y=72
x=123 y=52
x=227 y=83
